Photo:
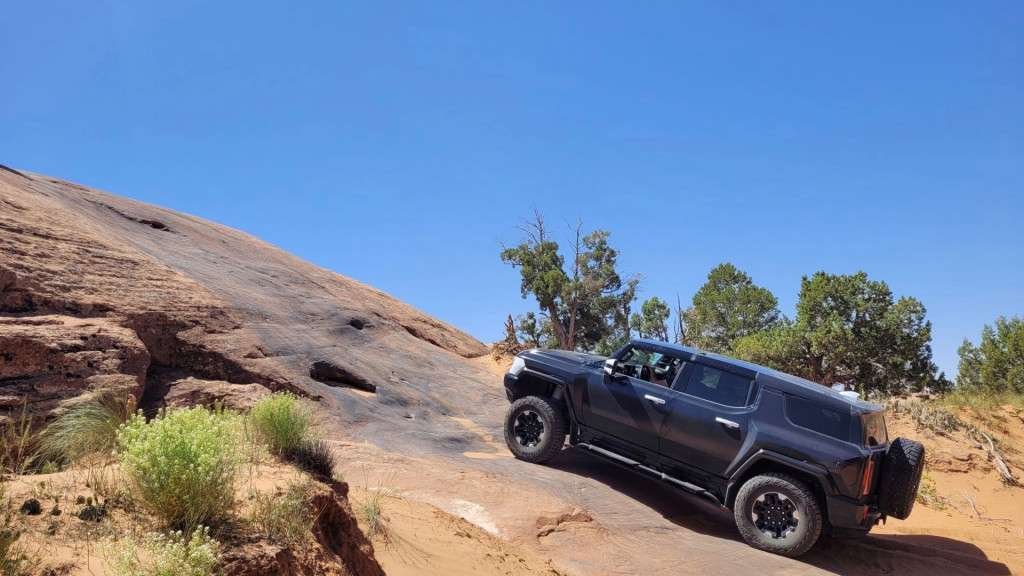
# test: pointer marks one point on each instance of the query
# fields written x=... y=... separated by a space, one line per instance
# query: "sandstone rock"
x=196 y=392
x=51 y=358
x=214 y=304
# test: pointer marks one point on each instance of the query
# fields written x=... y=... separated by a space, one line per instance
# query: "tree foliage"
x=583 y=307
x=849 y=329
x=729 y=306
x=652 y=320
x=996 y=364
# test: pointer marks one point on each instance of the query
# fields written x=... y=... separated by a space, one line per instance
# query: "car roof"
x=782 y=380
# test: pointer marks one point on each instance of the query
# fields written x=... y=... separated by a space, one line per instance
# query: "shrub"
x=934 y=418
x=182 y=464
x=928 y=495
x=285 y=519
x=88 y=428
x=166 y=555
x=313 y=456
x=282 y=421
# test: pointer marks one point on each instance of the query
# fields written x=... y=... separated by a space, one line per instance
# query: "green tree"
x=584 y=306
x=540 y=268
x=849 y=329
x=530 y=330
x=652 y=320
x=728 y=307
x=997 y=363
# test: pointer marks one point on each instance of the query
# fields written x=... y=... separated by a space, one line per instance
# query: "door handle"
x=654 y=400
x=727 y=423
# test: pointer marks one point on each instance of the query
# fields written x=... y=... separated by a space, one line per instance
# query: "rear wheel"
x=778 y=513
x=535 y=429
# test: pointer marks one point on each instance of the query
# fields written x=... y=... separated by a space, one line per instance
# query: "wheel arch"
x=763 y=461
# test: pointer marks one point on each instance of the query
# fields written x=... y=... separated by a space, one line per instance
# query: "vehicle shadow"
x=874 y=554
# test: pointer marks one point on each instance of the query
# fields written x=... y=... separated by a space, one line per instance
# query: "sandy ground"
x=419 y=539
x=422 y=540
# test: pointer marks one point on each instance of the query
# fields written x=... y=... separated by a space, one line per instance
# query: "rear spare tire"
x=535 y=429
x=899 y=478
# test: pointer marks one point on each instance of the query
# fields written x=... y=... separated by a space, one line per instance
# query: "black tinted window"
x=718 y=386
x=816 y=417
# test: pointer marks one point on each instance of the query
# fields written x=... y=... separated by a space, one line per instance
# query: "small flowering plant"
x=182 y=464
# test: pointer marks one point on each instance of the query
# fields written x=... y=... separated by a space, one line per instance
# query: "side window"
x=813 y=416
x=717 y=386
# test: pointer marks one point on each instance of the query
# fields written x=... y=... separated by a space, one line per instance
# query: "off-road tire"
x=553 y=419
x=900 y=477
x=809 y=523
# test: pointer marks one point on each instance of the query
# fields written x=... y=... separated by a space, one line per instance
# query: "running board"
x=691 y=488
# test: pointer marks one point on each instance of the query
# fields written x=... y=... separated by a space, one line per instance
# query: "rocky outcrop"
x=47 y=359
x=210 y=304
x=196 y=392
x=337 y=547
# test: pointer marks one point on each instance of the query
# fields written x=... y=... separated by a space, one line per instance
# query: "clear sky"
x=401 y=143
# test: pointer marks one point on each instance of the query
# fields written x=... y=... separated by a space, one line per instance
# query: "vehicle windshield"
x=650 y=365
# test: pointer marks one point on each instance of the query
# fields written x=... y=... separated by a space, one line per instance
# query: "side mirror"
x=611 y=366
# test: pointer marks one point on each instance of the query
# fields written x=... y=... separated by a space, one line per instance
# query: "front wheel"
x=535 y=429
x=778 y=513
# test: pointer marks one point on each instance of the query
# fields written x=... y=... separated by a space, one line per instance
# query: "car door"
x=626 y=413
x=709 y=418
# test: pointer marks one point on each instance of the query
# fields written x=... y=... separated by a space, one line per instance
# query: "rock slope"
x=100 y=290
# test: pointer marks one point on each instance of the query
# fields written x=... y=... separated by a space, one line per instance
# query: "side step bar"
x=619 y=458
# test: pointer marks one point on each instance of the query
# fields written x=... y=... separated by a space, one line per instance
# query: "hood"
x=564 y=356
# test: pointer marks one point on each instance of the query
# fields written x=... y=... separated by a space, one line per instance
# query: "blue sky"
x=402 y=143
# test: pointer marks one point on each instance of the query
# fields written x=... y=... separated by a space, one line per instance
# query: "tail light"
x=869 y=475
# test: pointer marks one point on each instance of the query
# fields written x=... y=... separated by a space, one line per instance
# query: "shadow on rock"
x=874 y=554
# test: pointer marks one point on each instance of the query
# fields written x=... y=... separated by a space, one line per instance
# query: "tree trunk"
x=556 y=322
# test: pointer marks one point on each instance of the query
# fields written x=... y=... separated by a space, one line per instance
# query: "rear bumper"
x=850 y=517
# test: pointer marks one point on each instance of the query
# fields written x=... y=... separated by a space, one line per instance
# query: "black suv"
x=790 y=457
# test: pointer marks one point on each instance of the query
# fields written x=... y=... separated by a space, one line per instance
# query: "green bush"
x=166 y=555
x=183 y=464
x=282 y=421
x=87 y=428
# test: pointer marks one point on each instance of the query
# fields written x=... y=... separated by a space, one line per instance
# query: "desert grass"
x=19 y=442
x=372 y=511
x=981 y=401
x=313 y=456
x=284 y=518
x=88 y=428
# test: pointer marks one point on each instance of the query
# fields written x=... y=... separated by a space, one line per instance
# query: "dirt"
x=414 y=406
x=422 y=540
